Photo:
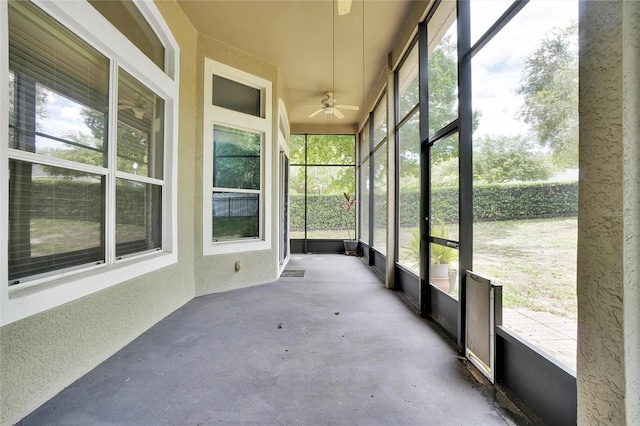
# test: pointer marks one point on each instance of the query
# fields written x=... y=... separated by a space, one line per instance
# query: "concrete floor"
x=332 y=347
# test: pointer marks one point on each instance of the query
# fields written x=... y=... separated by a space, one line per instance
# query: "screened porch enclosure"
x=321 y=176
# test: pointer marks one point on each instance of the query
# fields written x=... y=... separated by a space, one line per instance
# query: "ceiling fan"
x=137 y=106
x=329 y=107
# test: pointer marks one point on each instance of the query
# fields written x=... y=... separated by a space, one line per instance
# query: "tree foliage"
x=330 y=160
x=443 y=85
x=549 y=84
x=508 y=159
x=87 y=150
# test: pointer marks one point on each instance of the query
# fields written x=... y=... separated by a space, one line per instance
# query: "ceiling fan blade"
x=344 y=6
x=337 y=113
x=313 y=114
x=350 y=107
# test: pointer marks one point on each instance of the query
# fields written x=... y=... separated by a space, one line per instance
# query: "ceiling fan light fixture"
x=328 y=110
x=138 y=112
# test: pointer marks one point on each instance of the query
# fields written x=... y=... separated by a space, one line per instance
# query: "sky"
x=62 y=116
x=496 y=69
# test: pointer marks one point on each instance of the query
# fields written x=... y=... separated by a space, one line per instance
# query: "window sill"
x=237 y=246
x=27 y=300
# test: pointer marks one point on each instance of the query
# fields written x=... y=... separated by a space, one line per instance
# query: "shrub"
x=490 y=202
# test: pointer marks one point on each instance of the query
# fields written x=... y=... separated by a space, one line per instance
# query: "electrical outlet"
x=238 y=265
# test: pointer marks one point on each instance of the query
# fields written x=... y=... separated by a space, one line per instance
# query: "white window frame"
x=215 y=115
x=37 y=295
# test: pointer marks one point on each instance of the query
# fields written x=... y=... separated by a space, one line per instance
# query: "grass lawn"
x=534 y=260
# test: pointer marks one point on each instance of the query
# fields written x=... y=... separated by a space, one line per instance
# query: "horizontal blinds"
x=56 y=219
x=42 y=49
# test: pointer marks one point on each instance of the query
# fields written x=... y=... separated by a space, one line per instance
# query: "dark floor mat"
x=292 y=273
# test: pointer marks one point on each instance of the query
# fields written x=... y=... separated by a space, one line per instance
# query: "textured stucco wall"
x=608 y=240
x=631 y=206
x=42 y=354
x=216 y=273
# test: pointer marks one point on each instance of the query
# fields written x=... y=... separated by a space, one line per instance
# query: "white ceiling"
x=317 y=50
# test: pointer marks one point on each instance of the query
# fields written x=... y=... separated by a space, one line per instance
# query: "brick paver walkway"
x=557 y=336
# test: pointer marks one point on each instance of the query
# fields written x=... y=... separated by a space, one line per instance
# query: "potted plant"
x=350 y=245
x=441 y=255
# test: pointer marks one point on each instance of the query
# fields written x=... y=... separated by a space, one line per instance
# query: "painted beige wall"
x=609 y=228
x=43 y=354
x=216 y=273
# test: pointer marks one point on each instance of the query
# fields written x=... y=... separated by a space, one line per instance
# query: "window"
x=89 y=184
x=236 y=96
x=236 y=183
x=237 y=146
x=128 y=19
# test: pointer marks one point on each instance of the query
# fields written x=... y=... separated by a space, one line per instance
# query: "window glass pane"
x=364 y=142
x=235 y=216
x=297 y=192
x=484 y=14
x=327 y=216
x=56 y=219
x=445 y=186
x=380 y=121
x=408 y=88
x=236 y=158
x=380 y=199
x=138 y=217
x=297 y=149
x=331 y=149
x=126 y=17
x=525 y=88
x=443 y=68
x=140 y=128
x=443 y=270
x=236 y=96
x=409 y=194
x=444 y=216
x=58 y=86
x=365 y=190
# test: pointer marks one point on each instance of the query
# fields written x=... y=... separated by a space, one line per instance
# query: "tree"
x=443 y=85
x=549 y=84
x=330 y=159
x=40 y=100
x=86 y=150
x=507 y=159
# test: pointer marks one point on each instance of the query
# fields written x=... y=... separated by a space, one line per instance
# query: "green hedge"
x=59 y=199
x=323 y=211
x=491 y=202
